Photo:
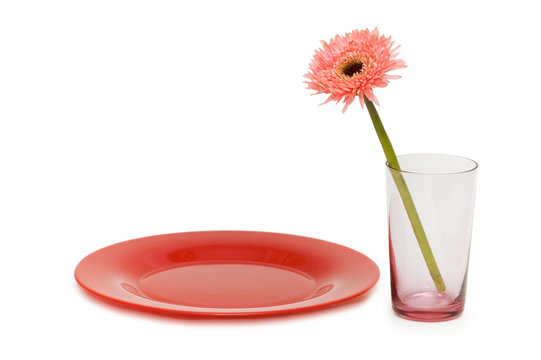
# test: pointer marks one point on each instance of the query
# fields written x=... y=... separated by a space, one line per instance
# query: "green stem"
x=405 y=194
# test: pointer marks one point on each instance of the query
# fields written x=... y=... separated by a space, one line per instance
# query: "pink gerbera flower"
x=353 y=65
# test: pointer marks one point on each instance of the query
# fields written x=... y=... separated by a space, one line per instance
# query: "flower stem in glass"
x=405 y=194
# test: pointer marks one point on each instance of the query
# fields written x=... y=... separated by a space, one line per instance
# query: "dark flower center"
x=353 y=68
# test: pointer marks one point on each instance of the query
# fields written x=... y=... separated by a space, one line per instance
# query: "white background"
x=122 y=119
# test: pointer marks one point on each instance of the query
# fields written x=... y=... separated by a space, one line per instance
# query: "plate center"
x=228 y=285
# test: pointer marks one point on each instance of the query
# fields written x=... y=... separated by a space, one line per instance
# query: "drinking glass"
x=442 y=188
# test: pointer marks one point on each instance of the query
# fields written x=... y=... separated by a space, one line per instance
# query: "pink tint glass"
x=443 y=191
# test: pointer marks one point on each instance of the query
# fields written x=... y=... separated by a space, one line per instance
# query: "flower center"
x=352 y=68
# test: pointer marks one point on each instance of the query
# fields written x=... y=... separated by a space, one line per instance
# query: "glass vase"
x=442 y=189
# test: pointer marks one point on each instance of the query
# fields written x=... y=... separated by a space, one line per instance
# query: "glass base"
x=428 y=306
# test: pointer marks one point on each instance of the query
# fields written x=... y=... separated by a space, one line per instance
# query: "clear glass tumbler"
x=442 y=188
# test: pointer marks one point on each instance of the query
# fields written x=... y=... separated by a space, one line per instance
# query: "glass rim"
x=474 y=166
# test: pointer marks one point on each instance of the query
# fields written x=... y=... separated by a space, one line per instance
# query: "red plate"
x=226 y=273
